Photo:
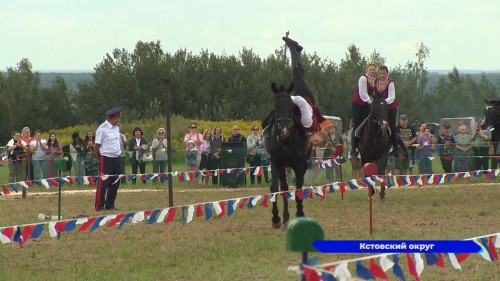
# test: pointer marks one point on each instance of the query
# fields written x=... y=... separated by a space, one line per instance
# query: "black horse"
x=375 y=141
x=287 y=148
x=492 y=118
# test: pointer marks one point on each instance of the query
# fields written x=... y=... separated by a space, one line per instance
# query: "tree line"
x=223 y=87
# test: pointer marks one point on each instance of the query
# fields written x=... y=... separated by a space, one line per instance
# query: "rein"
x=275 y=130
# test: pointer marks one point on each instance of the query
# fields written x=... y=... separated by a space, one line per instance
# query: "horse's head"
x=283 y=110
x=378 y=112
x=491 y=113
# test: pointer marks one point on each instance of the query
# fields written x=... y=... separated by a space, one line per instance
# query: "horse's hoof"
x=277 y=225
x=284 y=226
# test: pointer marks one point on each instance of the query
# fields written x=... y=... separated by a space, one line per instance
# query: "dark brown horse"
x=491 y=119
x=375 y=141
x=286 y=146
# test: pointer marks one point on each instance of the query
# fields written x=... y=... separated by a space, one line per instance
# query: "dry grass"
x=244 y=246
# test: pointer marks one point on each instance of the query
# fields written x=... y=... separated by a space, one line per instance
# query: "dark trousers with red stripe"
x=107 y=189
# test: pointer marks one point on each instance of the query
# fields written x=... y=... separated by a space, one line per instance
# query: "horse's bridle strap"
x=284 y=119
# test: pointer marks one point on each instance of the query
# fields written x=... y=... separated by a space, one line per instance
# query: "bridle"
x=372 y=117
x=492 y=110
x=284 y=125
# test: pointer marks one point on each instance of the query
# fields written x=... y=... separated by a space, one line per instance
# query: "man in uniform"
x=108 y=150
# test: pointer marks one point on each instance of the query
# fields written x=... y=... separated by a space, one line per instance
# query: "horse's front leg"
x=383 y=159
x=275 y=171
x=284 y=189
x=299 y=181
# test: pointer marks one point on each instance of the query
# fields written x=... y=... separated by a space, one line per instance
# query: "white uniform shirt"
x=306 y=111
x=363 y=91
x=108 y=136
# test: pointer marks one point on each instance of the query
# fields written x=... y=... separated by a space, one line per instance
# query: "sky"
x=69 y=35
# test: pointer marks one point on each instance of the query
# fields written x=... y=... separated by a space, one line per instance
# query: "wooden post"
x=166 y=83
x=59 y=165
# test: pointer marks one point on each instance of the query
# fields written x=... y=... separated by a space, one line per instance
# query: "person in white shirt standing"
x=38 y=148
x=107 y=149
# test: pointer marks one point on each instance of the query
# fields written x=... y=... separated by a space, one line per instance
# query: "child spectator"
x=69 y=162
x=191 y=160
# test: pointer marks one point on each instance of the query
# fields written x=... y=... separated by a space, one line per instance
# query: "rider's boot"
x=292 y=43
x=295 y=50
x=354 y=147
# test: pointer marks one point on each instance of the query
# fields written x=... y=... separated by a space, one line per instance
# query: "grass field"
x=243 y=246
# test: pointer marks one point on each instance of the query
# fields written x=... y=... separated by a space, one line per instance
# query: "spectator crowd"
x=458 y=151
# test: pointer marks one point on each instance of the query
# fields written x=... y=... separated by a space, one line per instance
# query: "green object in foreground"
x=301 y=233
x=60 y=164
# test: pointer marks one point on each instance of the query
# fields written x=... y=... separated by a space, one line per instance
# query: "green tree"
x=21 y=97
x=59 y=112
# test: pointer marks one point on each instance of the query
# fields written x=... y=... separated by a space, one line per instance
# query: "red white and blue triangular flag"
x=230 y=207
x=363 y=272
x=190 y=214
x=37 y=232
x=396 y=269
x=199 y=210
x=162 y=216
x=208 y=212
x=491 y=248
x=353 y=184
x=376 y=271
x=255 y=200
x=385 y=263
x=310 y=274
x=45 y=183
x=264 y=201
x=411 y=267
x=249 y=204
x=116 y=220
x=152 y=216
x=6 y=234
x=171 y=215
x=484 y=250
x=419 y=263
x=342 y=272
x=327 y=276
x=217 y=208
x=5 y=191
x=14 y=187
x=23 y=184
x=453 y=260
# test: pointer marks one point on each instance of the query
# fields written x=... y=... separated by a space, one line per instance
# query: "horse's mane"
x=493 y=102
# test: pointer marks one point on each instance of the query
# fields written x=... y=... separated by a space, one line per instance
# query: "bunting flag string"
x=415 y=263
x=221 y=209
x=389 y=180
x=489 y=244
